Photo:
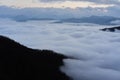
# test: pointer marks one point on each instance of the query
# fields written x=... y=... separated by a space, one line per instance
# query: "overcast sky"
x=60 y=3
x=63 y=8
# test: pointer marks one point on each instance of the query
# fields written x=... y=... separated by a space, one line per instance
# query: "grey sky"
x=77 y=7
x=95 y=1
x=60 y=3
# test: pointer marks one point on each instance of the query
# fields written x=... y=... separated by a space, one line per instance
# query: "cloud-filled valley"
x=96 y=52
x=72 y=32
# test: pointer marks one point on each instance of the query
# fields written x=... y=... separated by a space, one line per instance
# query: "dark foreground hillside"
x=18 y=62
x=112 y=29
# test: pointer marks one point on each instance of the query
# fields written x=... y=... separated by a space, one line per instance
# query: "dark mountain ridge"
x=18 y=62
x=101 y=20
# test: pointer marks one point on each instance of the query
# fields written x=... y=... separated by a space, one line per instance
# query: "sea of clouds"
x=96 y=53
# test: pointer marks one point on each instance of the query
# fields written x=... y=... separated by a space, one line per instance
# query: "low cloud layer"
x=96 y=53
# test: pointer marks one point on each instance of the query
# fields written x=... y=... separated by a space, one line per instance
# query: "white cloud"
x=56 y=4
x=97 y=53
x=95 y=1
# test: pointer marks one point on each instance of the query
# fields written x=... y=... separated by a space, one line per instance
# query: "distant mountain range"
x=22 y=18
x=101 y=20
x=60 y=15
